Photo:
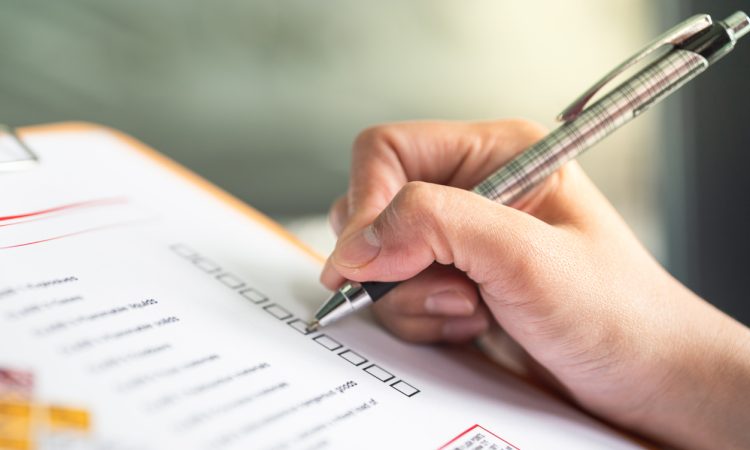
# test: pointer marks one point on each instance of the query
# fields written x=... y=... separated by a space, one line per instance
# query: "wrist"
x=702 y=394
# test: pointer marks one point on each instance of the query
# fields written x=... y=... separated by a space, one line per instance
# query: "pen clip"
x=674 y=36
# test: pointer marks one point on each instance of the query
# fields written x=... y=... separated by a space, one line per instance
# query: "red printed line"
x=457 y=437
x=468 y=430
x=54 y=238
x=21 y=222
x=485 y=429
x=84 y=204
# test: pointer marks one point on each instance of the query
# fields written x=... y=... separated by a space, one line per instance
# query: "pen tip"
x=314 y=325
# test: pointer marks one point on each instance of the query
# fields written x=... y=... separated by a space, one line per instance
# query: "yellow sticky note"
x=64 y=418
x=13 y=408
x=11 y=443
x=15 y=425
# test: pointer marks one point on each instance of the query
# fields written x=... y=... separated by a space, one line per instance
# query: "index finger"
x=458 y=154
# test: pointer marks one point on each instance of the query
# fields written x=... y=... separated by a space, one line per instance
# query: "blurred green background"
x=265 y=98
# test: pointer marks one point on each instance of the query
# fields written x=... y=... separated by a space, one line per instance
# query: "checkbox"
x=230 y=280
x=379 y=373
x=327 y=342
x=277 y=311
x=206 y=265
x=353 y=357
x=183 y=250
x=405 y=388
x=253 y=295
x=301 y=326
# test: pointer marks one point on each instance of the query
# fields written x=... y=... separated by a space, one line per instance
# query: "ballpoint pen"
x=695 y=44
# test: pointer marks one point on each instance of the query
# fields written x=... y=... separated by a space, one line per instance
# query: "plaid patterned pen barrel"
x=595 y=123
x=695 y=44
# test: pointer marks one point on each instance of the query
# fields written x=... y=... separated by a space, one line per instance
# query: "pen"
x=695 y=44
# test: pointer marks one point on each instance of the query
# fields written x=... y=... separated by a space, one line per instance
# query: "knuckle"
x=415 y=202
x=416 y=191
x=370 y=138
x=418 y=212
x=525 y=274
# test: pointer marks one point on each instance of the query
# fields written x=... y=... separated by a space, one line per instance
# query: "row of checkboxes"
x=301 y=326
x=355 y=358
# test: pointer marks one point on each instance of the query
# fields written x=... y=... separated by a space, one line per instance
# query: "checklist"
x=151 y=310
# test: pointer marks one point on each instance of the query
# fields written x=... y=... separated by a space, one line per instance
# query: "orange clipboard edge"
x=255 y=215
x=177 y=169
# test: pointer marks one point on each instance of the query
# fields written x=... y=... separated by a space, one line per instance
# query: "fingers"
x=432 y=329
x=391 y=229
x=438 y=305
x=439 y=290
x=461 y=225
x=427 y=223
x=329 y=277
x=453 y=153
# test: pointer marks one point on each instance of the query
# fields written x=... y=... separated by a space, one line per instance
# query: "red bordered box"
x=478 y=436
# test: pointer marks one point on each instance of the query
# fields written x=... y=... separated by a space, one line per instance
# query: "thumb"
x=426 y=223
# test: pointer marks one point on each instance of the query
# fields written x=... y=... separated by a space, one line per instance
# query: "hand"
x=559 y=271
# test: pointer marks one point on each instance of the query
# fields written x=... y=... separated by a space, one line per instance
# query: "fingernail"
x=449 y=303
x=459 y=330
x=358 y=249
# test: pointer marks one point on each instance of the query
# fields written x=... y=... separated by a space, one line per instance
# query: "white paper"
x=179 y=322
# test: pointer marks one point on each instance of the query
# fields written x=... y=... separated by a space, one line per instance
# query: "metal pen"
x=694 y=45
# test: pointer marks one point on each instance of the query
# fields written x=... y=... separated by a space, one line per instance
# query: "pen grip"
x=572 y=138
x=377 y=289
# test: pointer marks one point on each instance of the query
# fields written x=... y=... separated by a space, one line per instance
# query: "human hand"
x=559 y=271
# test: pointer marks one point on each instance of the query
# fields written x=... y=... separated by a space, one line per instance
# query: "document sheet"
x=140 y=308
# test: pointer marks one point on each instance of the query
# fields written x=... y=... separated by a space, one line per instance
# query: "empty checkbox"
x=278 y=311
x=405 y=388
x=353 y=357
x=253 y=295
x=327 y=342
x=183 y=250
x=206 y=265
x=301 y=326
x=379 y=373
x=230 y=280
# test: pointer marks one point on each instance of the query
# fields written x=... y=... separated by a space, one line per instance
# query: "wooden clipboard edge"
x=177 y=169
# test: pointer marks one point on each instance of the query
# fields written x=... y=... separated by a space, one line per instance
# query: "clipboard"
x=217 y=284
x=14 y=153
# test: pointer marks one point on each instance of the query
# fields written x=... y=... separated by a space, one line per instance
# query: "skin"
x=596 y=317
